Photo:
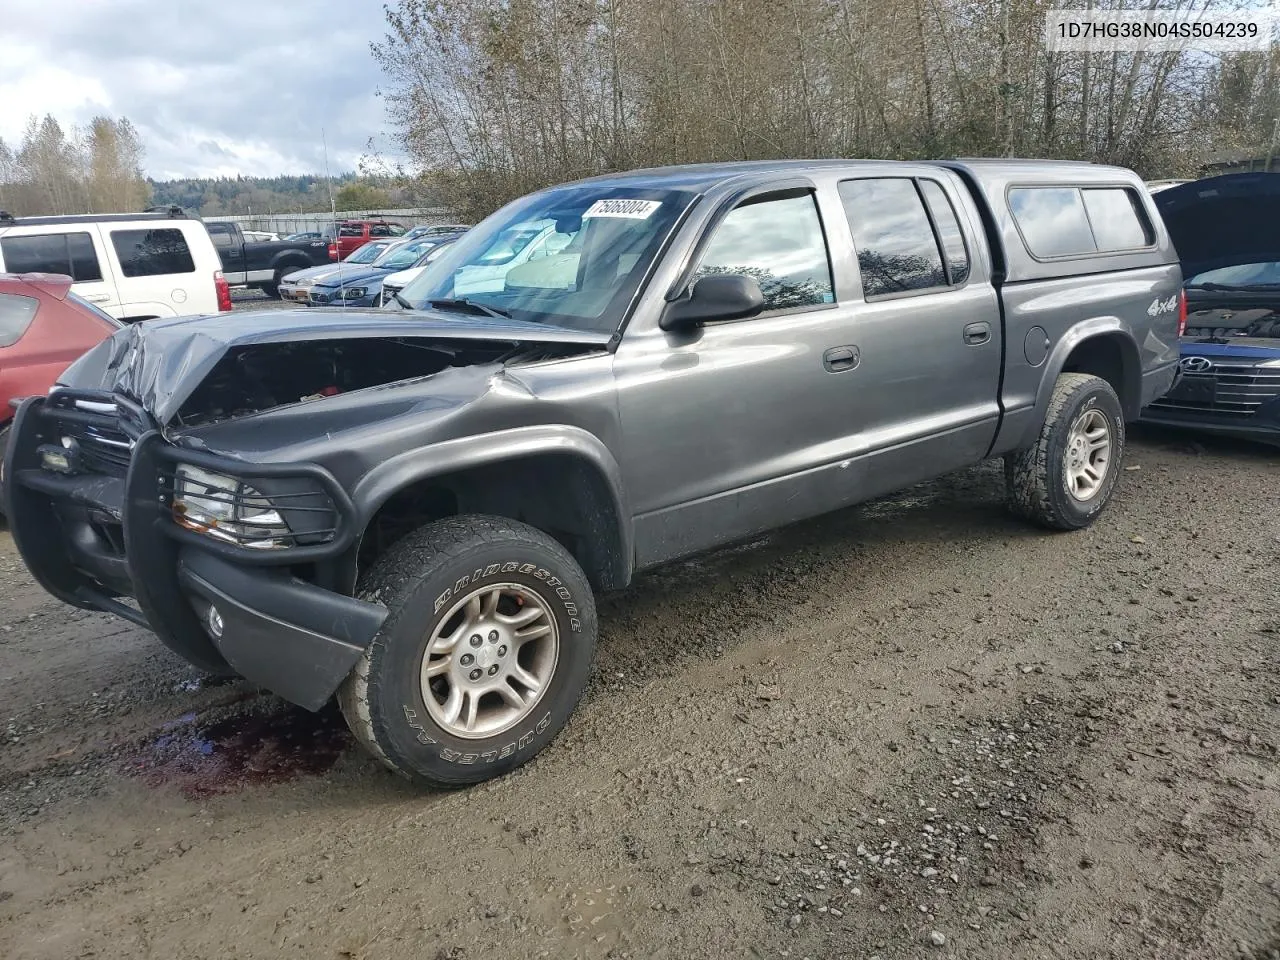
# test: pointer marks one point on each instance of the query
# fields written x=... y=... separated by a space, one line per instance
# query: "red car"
x=43 y=327
x=354 y=234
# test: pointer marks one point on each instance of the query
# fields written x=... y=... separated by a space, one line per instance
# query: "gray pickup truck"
x=412 y=510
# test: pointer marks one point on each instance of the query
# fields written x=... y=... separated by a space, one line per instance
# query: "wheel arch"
x=290 y=260
x=1103 y=347
x=559 y=479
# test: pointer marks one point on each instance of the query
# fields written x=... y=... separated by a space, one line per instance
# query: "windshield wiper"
x=1233 y=286
x=454 y=303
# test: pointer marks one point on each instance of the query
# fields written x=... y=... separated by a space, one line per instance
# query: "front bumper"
x=96 y=538
x=328 y=297
x=295 y=293
x=1263 y=426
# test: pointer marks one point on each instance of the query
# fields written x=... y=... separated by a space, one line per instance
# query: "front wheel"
x=1067 y=476
x=485 y=653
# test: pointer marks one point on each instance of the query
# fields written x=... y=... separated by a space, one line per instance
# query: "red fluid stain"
x=205 y=760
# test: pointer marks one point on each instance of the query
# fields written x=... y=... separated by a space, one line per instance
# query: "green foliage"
x=94 y=169
x=212 y=196
x=358 y=195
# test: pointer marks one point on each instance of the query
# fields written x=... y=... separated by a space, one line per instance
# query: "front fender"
x=389 y=477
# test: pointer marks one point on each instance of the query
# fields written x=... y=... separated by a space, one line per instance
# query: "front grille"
x=1232 y=389
x=95 y=428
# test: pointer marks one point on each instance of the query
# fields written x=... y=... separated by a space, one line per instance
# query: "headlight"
x=226 y=509
x=353 y=293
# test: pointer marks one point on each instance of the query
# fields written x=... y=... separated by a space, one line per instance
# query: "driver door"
x=731 y=428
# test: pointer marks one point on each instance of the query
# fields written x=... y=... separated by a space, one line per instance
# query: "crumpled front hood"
x=159 y=363
x=1223 y=221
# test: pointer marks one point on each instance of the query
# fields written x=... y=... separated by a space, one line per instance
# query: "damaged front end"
x=129 y=494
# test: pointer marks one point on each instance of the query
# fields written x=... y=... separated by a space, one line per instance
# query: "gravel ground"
x=912 y=729
x=243 y=298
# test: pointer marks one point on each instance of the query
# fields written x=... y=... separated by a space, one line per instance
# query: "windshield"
x=404 y=255
x=572 y=256
x=368 y=253
x=1245 y=275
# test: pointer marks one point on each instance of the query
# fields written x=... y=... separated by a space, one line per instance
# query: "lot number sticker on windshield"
x=627 y=209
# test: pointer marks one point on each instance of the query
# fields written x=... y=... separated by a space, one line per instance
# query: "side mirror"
x=717 y=296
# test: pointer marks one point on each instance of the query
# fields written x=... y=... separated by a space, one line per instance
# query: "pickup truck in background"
x=354 y=234
x=262 y=263
x=414 y=509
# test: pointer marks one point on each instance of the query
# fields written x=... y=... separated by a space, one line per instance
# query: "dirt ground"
x=912 y=729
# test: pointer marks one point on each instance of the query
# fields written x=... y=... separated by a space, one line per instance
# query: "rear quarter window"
x=152 y=253
x=1079 y=222
x=16 y=314
x=1118 y=222
x=1052 y=220
x=71 y=254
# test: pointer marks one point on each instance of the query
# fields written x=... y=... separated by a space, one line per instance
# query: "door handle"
x=98 y=297
x=839 y=359
x=977 y=333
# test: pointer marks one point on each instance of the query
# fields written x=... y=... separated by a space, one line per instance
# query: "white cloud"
x=233 y=87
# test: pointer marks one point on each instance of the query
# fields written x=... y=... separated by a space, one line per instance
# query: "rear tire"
x=1065 y=479
x=272 y=289
x=435 y=705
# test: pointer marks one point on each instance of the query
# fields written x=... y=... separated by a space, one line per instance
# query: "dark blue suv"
x=1227 y=232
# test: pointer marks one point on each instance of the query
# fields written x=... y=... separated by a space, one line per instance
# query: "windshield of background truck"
x=572 y=257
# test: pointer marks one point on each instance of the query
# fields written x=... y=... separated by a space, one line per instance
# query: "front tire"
x=485 y=653
x=1065 y=479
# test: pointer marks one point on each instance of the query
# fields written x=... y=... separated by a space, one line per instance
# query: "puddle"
x=206 y=682
x=204 y=759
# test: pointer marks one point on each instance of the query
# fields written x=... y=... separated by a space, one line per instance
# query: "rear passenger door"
x=928 y=331
x=76 y=251
x=156 y=272
x=227 y=241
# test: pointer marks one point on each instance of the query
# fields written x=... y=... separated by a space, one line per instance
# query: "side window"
x=779 y=242
x=71 y=254
x=1052 y=220
x=152 y=253
x=897 y=250
x=380 y=230
x=1119 y=223
x=221 y=235
x=16 y=314
x=351 y=231
x=395 y=229
x=950 y=236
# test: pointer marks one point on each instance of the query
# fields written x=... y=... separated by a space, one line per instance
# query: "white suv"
x=132 y=266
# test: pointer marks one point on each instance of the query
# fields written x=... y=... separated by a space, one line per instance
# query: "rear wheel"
x=483 y=657
x=272 y=289
x=1065 y=479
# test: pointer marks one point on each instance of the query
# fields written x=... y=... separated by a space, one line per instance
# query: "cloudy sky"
x=220 y=87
